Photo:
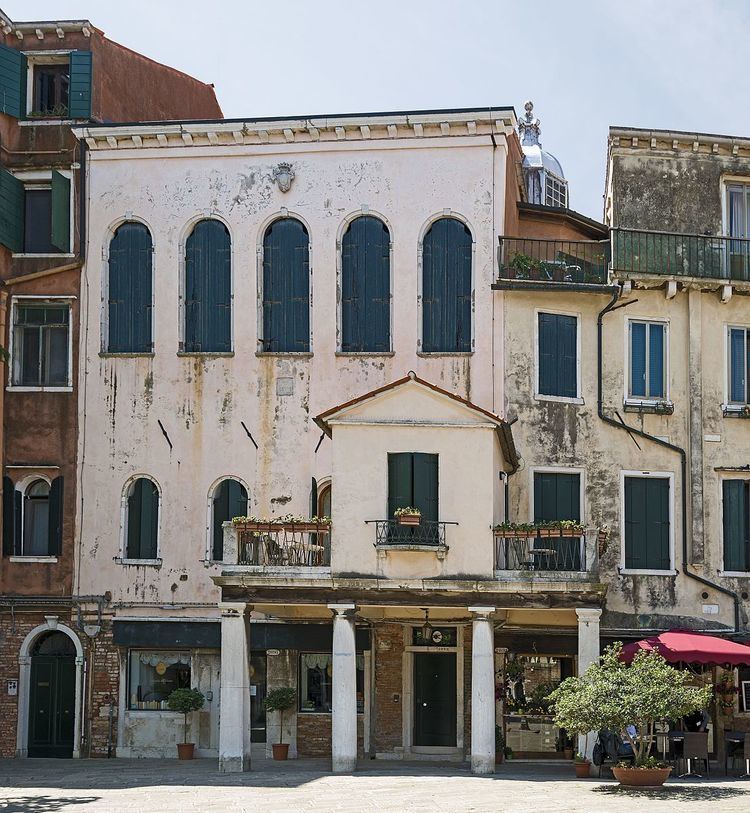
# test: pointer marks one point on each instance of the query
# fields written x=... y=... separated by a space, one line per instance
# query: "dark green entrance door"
x=257 y=696
x=435 y=699
x=52 y=705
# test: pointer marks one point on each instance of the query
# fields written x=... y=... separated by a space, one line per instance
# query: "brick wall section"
x=105 y=686
x=388 y=642
x=314 y=736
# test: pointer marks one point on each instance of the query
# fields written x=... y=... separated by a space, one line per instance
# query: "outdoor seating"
x=737 y=750
x=695 y=749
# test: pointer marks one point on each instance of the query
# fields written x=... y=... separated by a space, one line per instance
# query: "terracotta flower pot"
x=642 y=777
x=185 y=750
x=409 y=519
x=582 y=769
x=280 y=750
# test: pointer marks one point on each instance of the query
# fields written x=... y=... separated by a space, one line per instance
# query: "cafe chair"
x=746 y=757
x=695 y=749
x=735 y=751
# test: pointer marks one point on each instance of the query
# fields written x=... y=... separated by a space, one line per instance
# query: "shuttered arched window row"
x=366 y=287
x=286 y=287
x=446 y=287
x=208 y=289
x=130 y=290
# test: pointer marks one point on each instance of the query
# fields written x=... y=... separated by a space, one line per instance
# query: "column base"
x=482 y=765
x=234 y=764
x=344 y=764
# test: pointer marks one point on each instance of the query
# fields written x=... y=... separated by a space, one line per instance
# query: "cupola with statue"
x=543 y=176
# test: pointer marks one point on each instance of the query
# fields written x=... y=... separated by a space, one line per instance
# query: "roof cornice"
x=631 y=139
x=333 y=128
x=38 y=28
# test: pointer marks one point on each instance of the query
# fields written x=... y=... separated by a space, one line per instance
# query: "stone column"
x=482 y=691
x=344 y=705
x=234 y=722
x=588 y=653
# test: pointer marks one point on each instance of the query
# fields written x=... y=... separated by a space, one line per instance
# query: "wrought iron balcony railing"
x=680 y=255
x=294 y=544
x=563 y=261
x=545 y=551
x=390 y=532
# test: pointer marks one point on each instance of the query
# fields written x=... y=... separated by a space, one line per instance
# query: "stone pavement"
x=164 y=786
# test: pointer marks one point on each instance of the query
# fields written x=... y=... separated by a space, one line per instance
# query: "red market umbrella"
x=683 y=646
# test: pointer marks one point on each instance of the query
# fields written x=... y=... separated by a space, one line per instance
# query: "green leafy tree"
x=614 y=695
x=280 y=700
x=185 y=701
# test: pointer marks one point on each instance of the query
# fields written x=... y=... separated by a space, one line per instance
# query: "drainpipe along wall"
x=652 y=438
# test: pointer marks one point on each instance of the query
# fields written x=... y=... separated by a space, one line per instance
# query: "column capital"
x=232 y=609
x=482 y=612
x=344 y=610
x=586 y=615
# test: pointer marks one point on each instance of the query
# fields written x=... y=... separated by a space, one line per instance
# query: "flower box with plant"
x=408 y=515
x=725 y=692
x=290 y=522
x=185 y=701
x=616 y=696
x=523 y=530
x=281 y=700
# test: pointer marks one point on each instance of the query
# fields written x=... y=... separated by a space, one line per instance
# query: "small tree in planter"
x=185 y=701
x=613 y=695
x=280 y=700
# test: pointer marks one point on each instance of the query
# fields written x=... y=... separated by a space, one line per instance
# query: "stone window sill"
x=284 y=354
x=628 y=572
x=205 y=353
x=138 y=562
x=32 y=559
x=125 y=355
x=21 y=388
x=365 y=353
x=561 y=399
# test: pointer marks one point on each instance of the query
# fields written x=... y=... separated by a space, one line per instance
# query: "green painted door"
x=52 y=706
x=435 y=699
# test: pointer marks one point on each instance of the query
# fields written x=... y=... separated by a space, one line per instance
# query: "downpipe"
x=666 y=445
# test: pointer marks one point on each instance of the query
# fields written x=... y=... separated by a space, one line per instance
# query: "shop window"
x=154 y=676
x=557 y=362
x=316 y=682
x=648 y=360
x=41 y=344
x=647 y=523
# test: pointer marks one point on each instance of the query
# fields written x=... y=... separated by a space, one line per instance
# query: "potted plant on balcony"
x=280 y=700
x=570 y=527
x=185 y=701
x=629 y=700
x=408 y=515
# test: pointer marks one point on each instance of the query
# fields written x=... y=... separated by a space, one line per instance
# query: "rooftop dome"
x=545 y=180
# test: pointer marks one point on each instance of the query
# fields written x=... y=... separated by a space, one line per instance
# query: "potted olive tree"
x=185 y=701
x=280 y=700
x=629 y=700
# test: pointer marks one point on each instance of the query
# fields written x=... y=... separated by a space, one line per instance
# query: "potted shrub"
x=582 y=765
x=280 y=700
x=185 y=701
x=409 y=515
x=502 y=751
x=618 y=697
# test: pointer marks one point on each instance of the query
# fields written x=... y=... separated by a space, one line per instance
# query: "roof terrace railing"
x=562 y=261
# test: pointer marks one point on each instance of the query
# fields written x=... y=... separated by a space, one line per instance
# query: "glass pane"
x=154 y=676
x=55 y=360
x=27 y=353
x=38 y=222
x=316 y=682
x=36 y=526
x=656 y=361
x=737 y=366
x=638 y=359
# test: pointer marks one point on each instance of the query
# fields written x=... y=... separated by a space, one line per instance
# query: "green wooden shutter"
x=400 y=476
x=558 y=355
x=647 y=523
x=55 y=526
x=556 y=496
x=130 y=290
x=735 y=519
x=133 y=547
x=425 y=485
x=230 y=501
x=143 y=520
x=9 y=517
x=60 y=211
x=79 y=106
x=635 y=518
x=12 y=204
x=12 y=82
x=313 y=497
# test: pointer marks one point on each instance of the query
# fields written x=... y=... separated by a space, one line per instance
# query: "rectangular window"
x=647 y=523
x=555 y=191
x=648 y=360
x=154 y=676
x=51 y=95
x=316 y=682
x=738 y=360
x=738 y=225
x=41 y=342
x=37 y=233
x=736 y=520
x=557 y=496
x=413 y=482
x=558 y=355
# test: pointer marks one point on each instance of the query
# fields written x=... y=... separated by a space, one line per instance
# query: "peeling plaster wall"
x=570 y=435
x=201 y=401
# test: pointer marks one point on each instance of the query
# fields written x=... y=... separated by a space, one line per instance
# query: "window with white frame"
x=41 y=344
x=737 y=225
x=555 y=191
x=738 y=359
x=33 y=516
x=141 y=519
x=647 y=369
x=228 y=500
x=557 y=355
x=647 y=543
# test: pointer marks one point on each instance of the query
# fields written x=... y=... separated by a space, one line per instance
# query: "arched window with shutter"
x=228 y=500
x=208 y=289
x=446 y=287
x=142 y=519
x=129 y=290
x=32 y=517
x=286 y=288
x=366 y=287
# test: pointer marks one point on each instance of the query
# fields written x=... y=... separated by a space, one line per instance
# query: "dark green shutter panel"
x=12 y=206
x=55 y=526
x=135 y=498
x=425 y=486
x=735 y=511
x=313 y=497
x=400 y=474
x=208 y=289
x=230 y=501
x=558 y=351
x=446 y=287
x=635 y=521
x=647 y=523
x=143 y=520
x=12 y=82
x=366 y=287
x=80 y=85
x=9 y=517
x=557 y=496
x=130 y=290
x=17 y=524
x=286 y=287
x=60 y=211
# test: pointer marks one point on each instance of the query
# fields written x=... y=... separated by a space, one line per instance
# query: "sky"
x=586 y=64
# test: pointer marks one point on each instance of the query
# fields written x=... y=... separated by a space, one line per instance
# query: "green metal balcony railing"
x=680 y=255
x=562 y=261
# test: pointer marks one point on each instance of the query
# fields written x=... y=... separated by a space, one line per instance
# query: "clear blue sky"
x=586 y=64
